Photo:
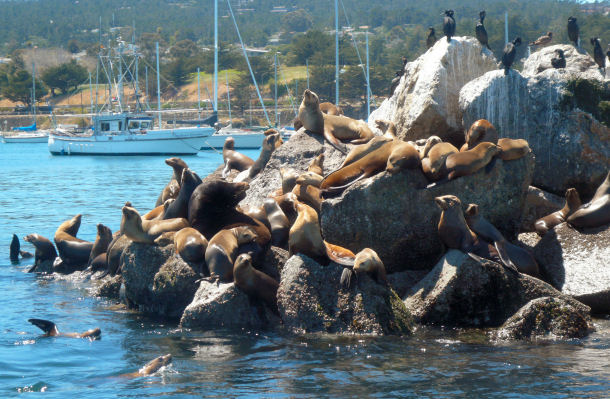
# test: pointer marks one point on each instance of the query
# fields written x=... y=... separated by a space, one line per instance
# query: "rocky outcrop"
x=546 y=318
x=578 y=63
x=577 y=263
x=402 y=282
x=157 y=280
x=398 y=218
x=425 y=102
x=572 y=148
x=464 y=291
x=225 y=306
x=310 y=300
x=110 y=287
x=539 y=204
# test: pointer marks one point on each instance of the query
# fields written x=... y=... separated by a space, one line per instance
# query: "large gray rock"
x=546 y=318
x=463 y=291
x=425 y=102
x=578 y=264
x=578 y=63
x=225 y=306
x=402 y=282
x=572 y=148
x=398 y=218
x=310 y=300
x=157 y=280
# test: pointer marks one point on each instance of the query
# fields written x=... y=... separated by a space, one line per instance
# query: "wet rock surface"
x=110 y=287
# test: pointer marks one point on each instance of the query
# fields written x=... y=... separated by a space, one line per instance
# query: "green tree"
x=297 y=21
x=241 y=92
x=16 y=85
x=64 y=76
x=305 y=46
x=184 y=49
x=73 y=46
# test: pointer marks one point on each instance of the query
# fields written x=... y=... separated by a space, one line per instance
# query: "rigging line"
x=287 y=90
x=260 y=98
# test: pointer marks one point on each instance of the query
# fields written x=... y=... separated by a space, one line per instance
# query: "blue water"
x=39 y=191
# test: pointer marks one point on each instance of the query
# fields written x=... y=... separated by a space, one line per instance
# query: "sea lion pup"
x=468 y=162
x=543 y=225
x=449 y=25
x=50 y=330
x=365 y=261
x=479 y=132
x=434 y=164
x=279 y=224
x=270 y=143
x=509 y=54
x=312 y=119
x=222 y=251
x=254 y=282
x=573 y=31
x=559 y=61
x=315 y=165
x=430 y=142
x=72 y=250
x=387 y=128
x=511 y=255
x=190 y=244
x=234 y=159
x=431 y=39
x=172 y=188
x=151 y=367
x=102 y=241
x=543 y=40
x=598 y=53
x=179 y=208
x=596 y=212
x=146 y=231
x=330 y=108
x=45 y=251
x=512 y=149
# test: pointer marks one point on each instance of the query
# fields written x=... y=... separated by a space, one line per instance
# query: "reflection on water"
x=40 y=191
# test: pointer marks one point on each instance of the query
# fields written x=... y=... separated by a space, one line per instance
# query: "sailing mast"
x=215 y=56
x=337 y=52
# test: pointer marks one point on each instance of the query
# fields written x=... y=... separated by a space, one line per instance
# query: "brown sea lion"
x=222 y=251
x=309 y=194
x=254 y=282
x=430 y=142
x=452 y=227
x=190 y=244
x=365 y=261
x=596 y=212
x=309 y=179
x=403 y=156
x=146 y=231
x=45 y=251
x=102 y=241
x=179 y=208
x=330 y=108
x=479 y=132
x=316 y=165
x=512 y=149
x=289 y=178
x=233 y=159
x=313 y=120
x=543 y=225
x=362 y=150
x=286 y=203
x=50 y=330
x=279 y=224
x=172 y=188
x=157 y=212
x=345 y=128
x=100 y=262
x=72 y=250
x=151 y=367
x=256 y=212
x=115 y=250
x=468 y=162
x=387 y=128
x=270 y=143
x=434 y=164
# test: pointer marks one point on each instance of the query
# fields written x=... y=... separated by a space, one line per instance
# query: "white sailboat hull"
x=39 y=137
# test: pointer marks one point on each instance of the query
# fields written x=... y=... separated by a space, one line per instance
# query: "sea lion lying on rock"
x=596 y=212
x=468 y=162
x=434 y=162
x=147 y=231
x=233 y=159
x=480 y=131
x=222 y=250
x=254 y=282
x=543 y=225
x=72 y=250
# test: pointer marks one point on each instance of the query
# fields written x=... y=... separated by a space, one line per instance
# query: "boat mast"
x=215 y=56
x=158 y=87
x=198 y=96
x=368 y=80
x=307 y=71
x=91 y=94
x=120 y=91
x=228 y=97
x=34 y=91
x=336 y=52
x=275 y=67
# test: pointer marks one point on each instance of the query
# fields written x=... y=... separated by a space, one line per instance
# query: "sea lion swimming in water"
x=234 y=159
x=172 y=188
x=543 y=225
x=72 y=250
x=50 y=330
x=151 y=367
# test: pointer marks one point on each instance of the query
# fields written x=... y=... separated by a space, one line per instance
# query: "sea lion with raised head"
x=45 y=251
x=312 y=119
x=254 y=282
x=146 y=231
x=72 y=250
x=309 y=194
x=512 y=149
x=434 y=163
x=543 y=225
x=315 y=165
x=172 y=188
x=190 y=244
x=151 y=367
x=270 y=143
x=279 y=224
x=179 y=208
x=101 y=243
x=50 y=330
x=596 y=212
x=223 y=249
x=233 y=159
x=479 y=132
x=468 y=162
x=452 y=227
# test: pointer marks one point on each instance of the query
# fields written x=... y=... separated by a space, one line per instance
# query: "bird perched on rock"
x=480 y=30
x=543 y=40
x=598 y=53
x=449 y=25
x=573 y=30
x=559 y=61
x=431 y=39
x=510 y=51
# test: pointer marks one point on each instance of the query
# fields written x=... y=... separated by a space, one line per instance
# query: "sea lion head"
x=30 y=238
x=189 y=178
x=292 y=200
x=481 y=130
x=103 y=231
x=93 y=334
x=549 y=34
x=176 y=163
x=309 y=179
x=229 y=144
x=244 y=234
x=472 y=210
x=167 y=203
x=446 y=202
x=367 y=260
x=270 y=132
x=403 y=156
x=131 y=218
x=243 y=262
x=310 y=98
x=573 y=199
x=272 y=142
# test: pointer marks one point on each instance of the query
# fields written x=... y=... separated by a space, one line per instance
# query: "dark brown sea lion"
x=102 y=241
x=315 y=165
x=45 y=251
x=434 y=164
x=480 y=131
x=100 y=262
x=254 y=282
x=596 y=212
x=190 y=244
x=543 y=225
x=468 y=162
x=179 y=208
x=223 y=249
x=115 y=250
x=72 y=250
x=313 y=119
x=50 y=330
x=146 y=231
x=151 y=367
x=330 y=109
x=172 y=188
x=512 y=149
x=279 y=224
x=452 y=227
x=270 y=143
x=234 y=159
x=362 y=150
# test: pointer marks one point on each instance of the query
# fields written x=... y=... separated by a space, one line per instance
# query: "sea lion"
x=403 y=156
x=15 y=248
x=512 y=149
x=102 y=241
x=157 y=212
x=151 y=367
x=172 y=188
x=387 y=128
x=345 y=128
x=365 y=261
x=511 y=255
x=452 y=227
x=468 y=162
x=362 y=150
x=479 y=132
x=309 y=194
x=509 y=54
x=146 y=231
x=270 y=143
x=313 y=119
x=190 y=244
x=222 y=251
x=449 y=24
x=72 y=250
x=431 y=39
x=289 y=179
x=257 y=213
x=559 y=61
x=543 y=225
x=573 y=31
x=304 y=235
x=315 y=165
x=254 y=282
x=330 y=109
x=597 y=211
x=543 y=40
x=480 y=31
x=45 y=251
x=50 y=330
x=434 y=164
x=598 y=53
x=430 y=142
x=179 y=208
x=309 y=179
x=100 y=262
x=115 y=250
x=280 y=226
x=233 y=159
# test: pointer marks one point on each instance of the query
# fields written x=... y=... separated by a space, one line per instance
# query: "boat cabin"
x=122 y=124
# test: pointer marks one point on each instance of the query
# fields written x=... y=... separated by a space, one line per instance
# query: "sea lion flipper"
x=47 y=326
x=347 y=278
x=328 y=135
x=504 y=256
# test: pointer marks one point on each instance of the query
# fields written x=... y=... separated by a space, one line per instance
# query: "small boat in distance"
x=25 y=134
x=245 y=138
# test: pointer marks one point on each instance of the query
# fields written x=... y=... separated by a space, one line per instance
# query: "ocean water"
x=39 y=191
